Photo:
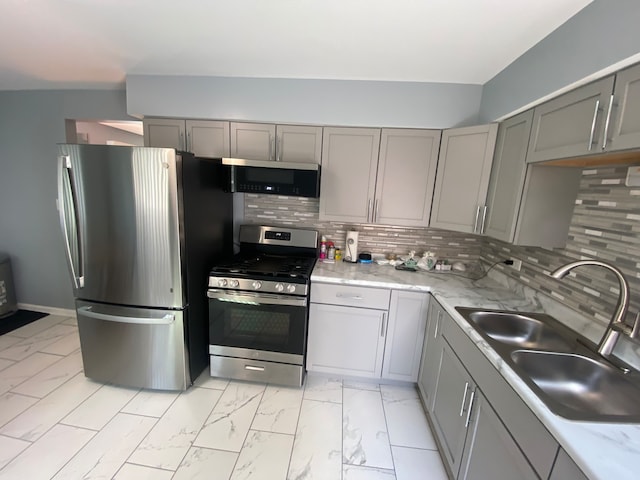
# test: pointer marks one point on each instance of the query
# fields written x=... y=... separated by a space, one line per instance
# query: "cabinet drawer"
x=350 y=296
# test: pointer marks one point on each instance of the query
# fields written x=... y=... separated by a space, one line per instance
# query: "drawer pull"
x=254 y=368
x=473 y=396
x=349 y=296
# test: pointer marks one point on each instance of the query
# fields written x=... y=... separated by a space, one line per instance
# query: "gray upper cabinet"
x=571 y=125
x=164 y=133
x=204 y=138
x=298 y=143
x=624 y=128
x=507 y=176
x=464 y=167
x=349 y=167
x=528 y=204
x=208 y=138
x=285 y=143
x=253 y=141
x=406 y=176
x=378 y=176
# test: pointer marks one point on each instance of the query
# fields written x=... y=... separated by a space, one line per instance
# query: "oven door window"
x=274 y=328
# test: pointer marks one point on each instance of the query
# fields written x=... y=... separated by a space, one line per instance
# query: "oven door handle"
x=256 y=299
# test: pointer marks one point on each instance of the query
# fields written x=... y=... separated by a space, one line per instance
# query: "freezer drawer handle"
x=164 y=320
x=255 y=369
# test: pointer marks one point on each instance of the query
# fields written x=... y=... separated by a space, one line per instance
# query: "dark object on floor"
x=19 y=319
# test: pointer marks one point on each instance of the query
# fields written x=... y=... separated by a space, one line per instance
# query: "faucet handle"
x=635 y=331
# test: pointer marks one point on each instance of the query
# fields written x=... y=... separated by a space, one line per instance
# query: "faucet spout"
x=616 y=324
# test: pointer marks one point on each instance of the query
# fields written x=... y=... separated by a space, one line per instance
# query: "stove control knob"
x=256 y=285
x=291 y=288
x=279 y=287
x=222 y=282
x=234 y=283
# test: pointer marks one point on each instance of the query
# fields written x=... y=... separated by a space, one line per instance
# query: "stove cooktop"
x=266 y=267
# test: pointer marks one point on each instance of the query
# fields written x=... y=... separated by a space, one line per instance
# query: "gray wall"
x=603 y=33
x=323 y=102
x=31 y=123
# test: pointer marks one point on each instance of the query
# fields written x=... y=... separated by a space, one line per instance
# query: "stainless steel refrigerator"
x=141 y=227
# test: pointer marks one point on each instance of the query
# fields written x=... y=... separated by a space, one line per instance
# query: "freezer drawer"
x=137 y=347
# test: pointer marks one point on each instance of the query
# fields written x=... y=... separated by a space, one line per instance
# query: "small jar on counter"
x=331 y=251
x=338 y=255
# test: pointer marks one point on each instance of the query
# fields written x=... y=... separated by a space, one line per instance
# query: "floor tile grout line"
x=295 y=434
x=386 y=423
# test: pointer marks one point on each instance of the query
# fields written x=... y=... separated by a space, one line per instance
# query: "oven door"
x=258 y=326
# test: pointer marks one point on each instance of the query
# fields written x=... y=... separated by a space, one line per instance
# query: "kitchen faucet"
x=616 y=324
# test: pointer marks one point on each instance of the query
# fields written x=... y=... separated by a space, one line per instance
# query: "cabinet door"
x=428 y=375
x=405 y=335
x=164 y=133
x=490 y=451
x=295 y=143
x=572 y=124
x=566 y=469
x=507 y=176
x=624 y=129
x=464 y=167
x=349 y=165
x=346 y=340
x=209 y=139
x=406 y=174
x=253 y=141
x=453 y=399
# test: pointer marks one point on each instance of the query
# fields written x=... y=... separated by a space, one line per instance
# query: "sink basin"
x=519 y=330
x=580 y=388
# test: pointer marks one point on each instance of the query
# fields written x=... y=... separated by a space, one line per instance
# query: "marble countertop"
x=601 y=450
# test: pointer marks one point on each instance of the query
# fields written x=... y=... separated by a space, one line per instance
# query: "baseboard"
x=63 y=312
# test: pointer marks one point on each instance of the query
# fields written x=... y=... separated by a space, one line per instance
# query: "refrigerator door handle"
x=166 y=319
x=65 y=174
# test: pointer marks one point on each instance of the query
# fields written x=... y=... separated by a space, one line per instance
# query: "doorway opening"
x=105 y=132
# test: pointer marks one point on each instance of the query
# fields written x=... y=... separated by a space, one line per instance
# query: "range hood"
x=276 y=178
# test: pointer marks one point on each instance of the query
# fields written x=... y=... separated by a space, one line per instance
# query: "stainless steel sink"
x=519 y=330
x=559 y=367
x=579 y=387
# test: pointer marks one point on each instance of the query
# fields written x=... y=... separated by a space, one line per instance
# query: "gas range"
x=259 y=306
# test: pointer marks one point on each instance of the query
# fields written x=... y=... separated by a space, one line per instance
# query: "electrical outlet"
x=517 y=264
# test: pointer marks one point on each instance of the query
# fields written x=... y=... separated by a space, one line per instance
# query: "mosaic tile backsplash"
x=605 y=226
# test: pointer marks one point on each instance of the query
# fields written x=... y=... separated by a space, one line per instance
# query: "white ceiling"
x=96 y=43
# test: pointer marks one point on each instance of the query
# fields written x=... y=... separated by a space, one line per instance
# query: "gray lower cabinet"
x=490 y=451
x=528 y=204
x=462 y=180
x=566 y=469
x=571 y=125
x=452 y=405
x=483 y=428
x=428 y=374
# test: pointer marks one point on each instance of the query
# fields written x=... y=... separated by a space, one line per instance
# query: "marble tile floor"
x=57 y=424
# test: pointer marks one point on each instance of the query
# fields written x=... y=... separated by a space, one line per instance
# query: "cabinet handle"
x=384 y=320
x=473 y=396
x=475 y=225
x=352 y=297
x=435 y=334
x=188 y=149
x=606 y=123
x=464 y=397
x=593 y=124
x=376 y=208
x=182 y=145
x=272 y=147
x=278 y=147
x=484 y=217
x=369 y=210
